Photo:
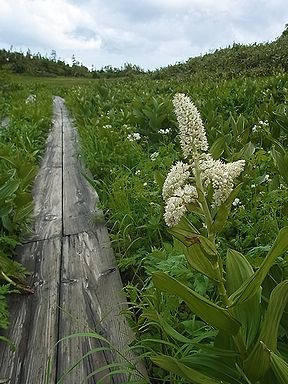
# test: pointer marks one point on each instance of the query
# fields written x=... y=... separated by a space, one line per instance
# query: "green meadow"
x=207 y=295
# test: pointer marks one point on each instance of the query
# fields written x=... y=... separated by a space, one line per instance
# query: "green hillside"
x=250 y=60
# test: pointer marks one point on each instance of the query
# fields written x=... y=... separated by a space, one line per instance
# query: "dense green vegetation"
x=129 y=138
x=25 y=117
x=248 y=60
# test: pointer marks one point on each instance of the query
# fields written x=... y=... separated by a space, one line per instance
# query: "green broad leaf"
x=7 y=223
x=281 y=161
x=251 y=286
x=168 y=329
x=200 y=252
x=239 y=270
x=8 y=159
x=211 y=313
x=175 y=366
x=201 y=261
x=280 y=368
x=27 y=174
x=218 y=147
x=6 y=209
x=224 y=210
x=258 y=361
x=247 y=151
x=217 y=367
x=23 y=213
x=22 y=199
x=184 y=227
x=8 y=189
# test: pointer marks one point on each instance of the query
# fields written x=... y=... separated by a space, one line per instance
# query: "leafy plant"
x=247 y=334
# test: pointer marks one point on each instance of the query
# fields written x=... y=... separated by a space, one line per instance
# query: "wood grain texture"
x=47 y=191
x=91 y=294
x=79 y=199
x=34 y=318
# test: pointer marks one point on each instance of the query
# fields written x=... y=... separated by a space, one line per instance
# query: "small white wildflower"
x=253 y=185
x=192 y=132
x=254 y=128
x=267 y=178
x=137 y=172
x=145 y=184
x=164 y=131
x=134 y=136
x=107 y=126
x=154 y=156
x=176 y=178
x=236 y=202
x=31 y=99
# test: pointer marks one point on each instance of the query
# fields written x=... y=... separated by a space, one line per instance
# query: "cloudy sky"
x=149 y=33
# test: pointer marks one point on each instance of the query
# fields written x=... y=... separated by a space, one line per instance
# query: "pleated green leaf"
x=217 y=148
x=200 y=252
x=8 y=189
x=220 y=368
x=258 y=362
x=281 y=161
x=280 y=368
x=175 y=366
x=201 y=261
x=238 y=270
x=250 y=287
x=211 y=313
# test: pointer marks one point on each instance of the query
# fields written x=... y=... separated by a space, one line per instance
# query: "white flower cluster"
x=261 y=124
x=177 y=193
x=164 y=131
x=221 y=176
x=134 y=136
x=176 y=178
x=192 y=132
x=176 y=205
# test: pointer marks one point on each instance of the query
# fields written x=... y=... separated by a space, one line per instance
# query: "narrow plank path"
x=77 y=285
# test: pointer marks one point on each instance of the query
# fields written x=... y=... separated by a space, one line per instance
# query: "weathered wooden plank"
x=79 y=199
x=47 y=191
x=34 y=318
x=91 y=294
x=47 y=221
x=54 y=144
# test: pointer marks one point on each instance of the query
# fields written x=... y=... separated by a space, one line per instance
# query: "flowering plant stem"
x=203 y=202
x=238 y=340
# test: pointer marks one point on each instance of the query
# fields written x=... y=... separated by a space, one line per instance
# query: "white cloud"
x=150 y=33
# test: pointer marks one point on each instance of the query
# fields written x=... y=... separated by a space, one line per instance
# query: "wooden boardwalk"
x=77 y=286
